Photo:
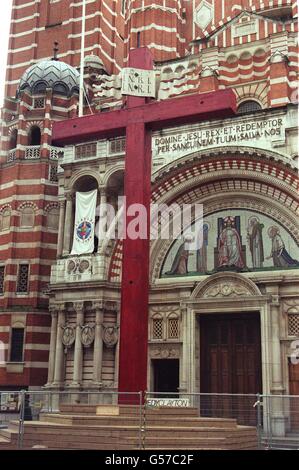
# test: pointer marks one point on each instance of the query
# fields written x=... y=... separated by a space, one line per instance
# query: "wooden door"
x=294 y=390
x=230 y=362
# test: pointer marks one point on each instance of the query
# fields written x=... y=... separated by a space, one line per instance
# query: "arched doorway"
x=34 y=136
x=230 y=312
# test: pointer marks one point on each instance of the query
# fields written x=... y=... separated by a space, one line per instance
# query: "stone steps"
x=116 y=442
x=93 y=437
x=129 y=431
x=170 y=429
x=125 y=410
x=4 y=441
x=150 y=420
x=8 y=439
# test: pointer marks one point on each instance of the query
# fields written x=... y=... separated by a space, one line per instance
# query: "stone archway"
x=227 y=285
x=234 y=296
x=228 y=345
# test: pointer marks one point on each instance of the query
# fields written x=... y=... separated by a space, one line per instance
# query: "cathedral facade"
x=223 y=318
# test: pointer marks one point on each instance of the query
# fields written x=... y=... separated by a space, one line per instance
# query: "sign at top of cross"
x=138 y=82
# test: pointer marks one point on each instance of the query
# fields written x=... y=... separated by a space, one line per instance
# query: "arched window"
x=157 y=327
x=27 y=217
x=179 y=71
x=5 y=220
x=53 y=218
x=60 y=89
x=13 y=139
x=34 y=136
x=173 y=330
x=39 y=88
x=232 y=59
x=249 y=106
x=166 y=74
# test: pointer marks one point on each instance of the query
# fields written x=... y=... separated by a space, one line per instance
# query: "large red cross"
x=136 y=122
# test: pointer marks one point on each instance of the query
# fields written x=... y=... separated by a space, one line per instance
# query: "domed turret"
x=61 y=77
x=94 y=62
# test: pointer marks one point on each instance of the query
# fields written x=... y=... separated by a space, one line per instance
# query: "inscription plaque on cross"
x=137 y=121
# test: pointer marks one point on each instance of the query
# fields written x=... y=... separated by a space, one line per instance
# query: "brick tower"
x=29 y=214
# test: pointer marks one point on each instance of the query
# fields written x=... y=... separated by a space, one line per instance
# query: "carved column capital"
x=53 y=309
x=112 y=305
x=183 y=308
x=98 y=305
x=103 y=190
x=54 y=314
x=56 y=307
x=275 y=300
x=78 y=307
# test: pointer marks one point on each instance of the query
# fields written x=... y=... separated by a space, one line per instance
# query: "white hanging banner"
x=84 y=223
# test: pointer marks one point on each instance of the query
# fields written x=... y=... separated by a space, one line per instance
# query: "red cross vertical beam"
x=136 y=122
x=135 y=267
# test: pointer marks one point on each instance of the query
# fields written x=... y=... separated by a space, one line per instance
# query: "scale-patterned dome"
x=94 y=62
x=61 y=77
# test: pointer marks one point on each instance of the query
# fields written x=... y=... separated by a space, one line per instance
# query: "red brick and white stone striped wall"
x=37 y=24
x=166 y=26
x=36 y=351
x=24 y=182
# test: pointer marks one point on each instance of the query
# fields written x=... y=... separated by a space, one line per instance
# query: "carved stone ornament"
x=68 y=336
x=56 y=308
x=87 y=335
x=227 y=290
x=110 y=336
x=165 y=352
x=79 y=266
x=165 y=309
x=203 y=14
x=225 y=285
x=291 y=306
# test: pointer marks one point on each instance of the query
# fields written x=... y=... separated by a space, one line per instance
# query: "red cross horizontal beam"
x=136 y=122
x=156 y=115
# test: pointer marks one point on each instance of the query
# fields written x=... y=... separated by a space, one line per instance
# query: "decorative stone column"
x=276 y=403
x=116 y=369
x=184 y=359
x=78 y=352
x=68 y=225
x=61 y=228
x=59 y=354
x=103 y=215
x=277 y=385
x=53 y=340
x=98 y=345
